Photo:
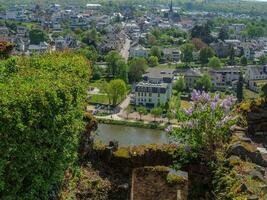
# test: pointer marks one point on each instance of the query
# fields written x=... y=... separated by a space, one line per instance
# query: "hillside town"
x=172 y=96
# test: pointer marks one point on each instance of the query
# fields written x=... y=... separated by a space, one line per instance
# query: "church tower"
x=173 y=16
x=171 y=8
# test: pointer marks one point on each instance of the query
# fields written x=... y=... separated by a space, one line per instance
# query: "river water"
x=130 y=136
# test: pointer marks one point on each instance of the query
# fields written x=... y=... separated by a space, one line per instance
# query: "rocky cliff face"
x=159 y=183
x=257 y=121
x=248 y=163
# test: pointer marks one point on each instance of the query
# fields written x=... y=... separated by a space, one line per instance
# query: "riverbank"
x=138 y=124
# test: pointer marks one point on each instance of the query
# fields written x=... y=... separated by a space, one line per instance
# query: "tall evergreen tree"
x=239 y=88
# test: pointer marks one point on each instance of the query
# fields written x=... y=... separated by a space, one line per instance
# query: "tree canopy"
x=42 y=107
x=117 y=66
x=115 y=89
x=204 y=83
x=214 y=62
x=205 y=54
x=37 y=35
x=187 y=52
x=179 y=85
x=137 y=68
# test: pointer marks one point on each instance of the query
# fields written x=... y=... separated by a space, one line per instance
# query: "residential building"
x=191 y=76
x=138 y=51
x=41 y=48
x=237 y=27
x=171 y=55
x=225 y=78
x=155 y=89
x=4 y=32
x=256 y=73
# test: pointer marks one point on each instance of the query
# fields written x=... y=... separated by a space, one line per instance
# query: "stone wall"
x=125 y=159
x=149 y=183
x=257 y=121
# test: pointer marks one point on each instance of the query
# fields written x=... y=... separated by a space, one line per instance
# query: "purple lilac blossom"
x=195 y=95
x=205 y=97
x=213 y=105
x=189 y=111
x=169 y=129
x=216 y=98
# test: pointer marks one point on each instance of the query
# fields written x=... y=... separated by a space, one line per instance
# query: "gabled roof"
x=159 y=73
x=193 y=73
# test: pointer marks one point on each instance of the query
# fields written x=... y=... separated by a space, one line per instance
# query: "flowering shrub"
x=206 y=124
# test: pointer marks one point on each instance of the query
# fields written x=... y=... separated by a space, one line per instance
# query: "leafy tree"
x=5 y=49
x=156 y=51
x=37 y=35
x=179 y=85
x=141 y=111
x=175 y=103
x=170 y=115
x=156 y=112
x=232 y=56
x=128 y=110
x=90 y=37
x=42 y=108
x=151 y=39
x=198 y=43
x=239 y=88
x=264 y=90
x=115 y=89
x=90 y=53
x=156 y=32
x=153 y=61
x=204 y=83
x=223 y=34
x=254 y=31
x=263 y=59
x=97 y=73
x=137 y=68
x=243 y=61
x=214 y=62
x=187 y=53
x=122 y=70
x=203 y=32
x=113 y=58
x=206 y=54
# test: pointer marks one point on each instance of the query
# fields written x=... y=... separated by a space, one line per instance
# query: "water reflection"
x=130 y=135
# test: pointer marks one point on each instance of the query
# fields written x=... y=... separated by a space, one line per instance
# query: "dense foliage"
x=5 y=49
x=37 y=36
x=205 y=126
x=41 y=111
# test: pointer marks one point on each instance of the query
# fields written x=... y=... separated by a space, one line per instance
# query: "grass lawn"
x=261 y=83
x=97 y=84
x=248 y=94
x=99 y=99
x=171 y=66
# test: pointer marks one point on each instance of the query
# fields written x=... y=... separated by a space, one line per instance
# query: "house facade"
x=155 y=89
x=191 y=76
x=171 y=55
x=138 y=51
x=225 y=78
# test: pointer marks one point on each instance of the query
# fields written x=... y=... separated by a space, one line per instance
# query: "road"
x=126 y=47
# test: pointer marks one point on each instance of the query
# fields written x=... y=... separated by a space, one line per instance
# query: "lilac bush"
x=207 y=122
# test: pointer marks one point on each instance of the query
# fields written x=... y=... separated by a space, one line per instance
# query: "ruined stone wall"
x=159 y=183
x=125 y=159
x=257 y=121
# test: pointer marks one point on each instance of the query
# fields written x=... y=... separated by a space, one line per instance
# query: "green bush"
x=41 y=117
